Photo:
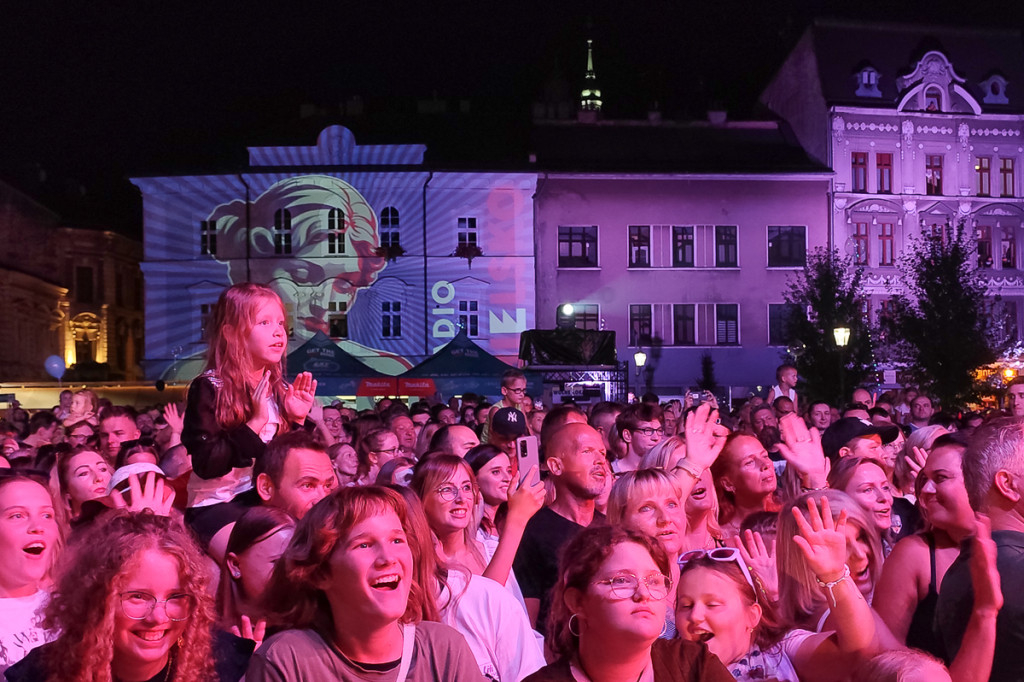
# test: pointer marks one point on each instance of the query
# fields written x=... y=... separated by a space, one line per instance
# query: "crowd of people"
x=259 y=532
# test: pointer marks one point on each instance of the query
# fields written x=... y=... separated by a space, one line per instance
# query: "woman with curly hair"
x=346 y=589
x=131 y=603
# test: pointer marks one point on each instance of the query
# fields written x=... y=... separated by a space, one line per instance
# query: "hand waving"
x=299 y=397
x=705 y=438
x=760 y=558
x=155 y=496
x=822 y=541
x=801 y=448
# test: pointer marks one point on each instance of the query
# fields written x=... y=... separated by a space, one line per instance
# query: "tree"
x=827 y=294
x=941 y=321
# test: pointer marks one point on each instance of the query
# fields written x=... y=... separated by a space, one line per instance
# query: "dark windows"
x=1006 y=177
x=208 y=237
x=860 y=243
x=684 y=324
x=1008 y=249
x=725 y=246
x=389 y=234
x=983 y=238
x=886 y=251
x=933 y=174
x=584 y=316
x=640 y=323
x=469 y=317
x=335 y=231
x=883 y=170
x=337 y=319
x=467 y=232
x=639 y=246
x=282 y=231
x=391 y=319
x=85 y=289
x=682 y=246
x=787 y=246
x=727 y=324
x=779 y=317
x=577 y=246
x=859 y=163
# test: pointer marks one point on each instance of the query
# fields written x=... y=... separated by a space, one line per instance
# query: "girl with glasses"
x=720 y=602
x=131 y=603
x=608 y=608
x=375 y=449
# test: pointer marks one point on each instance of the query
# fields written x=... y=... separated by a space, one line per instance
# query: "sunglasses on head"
x=723 y=555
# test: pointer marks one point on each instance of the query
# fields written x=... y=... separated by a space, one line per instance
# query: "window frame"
x=585 y=237
x=728 y=245
x=883 y=172
x=639 y=242
x=859 y=172
x=783 y=241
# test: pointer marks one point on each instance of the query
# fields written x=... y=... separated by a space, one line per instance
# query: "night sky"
x=97 y=92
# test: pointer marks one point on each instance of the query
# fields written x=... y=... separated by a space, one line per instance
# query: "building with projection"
x=923 y=128
x=388 y=257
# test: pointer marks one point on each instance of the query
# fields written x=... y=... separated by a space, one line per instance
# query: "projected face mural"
x=316 y=271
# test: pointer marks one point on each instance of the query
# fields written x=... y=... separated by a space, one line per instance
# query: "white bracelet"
x=829 y=585
x=693 y=471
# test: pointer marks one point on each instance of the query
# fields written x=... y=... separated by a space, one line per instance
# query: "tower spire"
x=590 y=96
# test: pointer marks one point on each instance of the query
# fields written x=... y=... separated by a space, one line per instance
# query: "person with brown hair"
x=345 y=589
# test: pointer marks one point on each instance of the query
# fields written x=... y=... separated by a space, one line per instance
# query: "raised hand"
x=801 y=448
x=247 y=630
x=154 y=496
x=260 y=413
x=299 y=397
x=916 y=462
x=988 y=593
x=526 y=497
x=760 y=557
x=822 y=541
x=174 y=418
x=705 y=437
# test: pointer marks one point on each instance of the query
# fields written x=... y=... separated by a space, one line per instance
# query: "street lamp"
x=842 y=337
x=640 y=359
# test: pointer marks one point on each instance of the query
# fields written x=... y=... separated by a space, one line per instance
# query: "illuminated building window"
x=983 y=238
x=584 y=316
x=640 y=320
x=682 y=246
x=467 y=232
x=389 y=235
x=282 y=231
x=860 y=243
x=469 y=317
x=787 y=246
x=1008 y=249
x=983 y=173
x=577 y=246
x=391 y=319
x=725 y=246
x=639 y=246
x=779 y=316
x=684 y=324
x=337 y=319
x=883 y=169
x=335 y=231
x=1006 y=177
x=859 y=172
x=885 y=244
x=208 y=237
x=727 y=324
x=932 y=100
x=933 y=174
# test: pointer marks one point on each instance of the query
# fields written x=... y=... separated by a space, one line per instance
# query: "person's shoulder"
x=293 y=642
x=35 y=666
x=682 y=660
x=438 y=634
x=558 y=671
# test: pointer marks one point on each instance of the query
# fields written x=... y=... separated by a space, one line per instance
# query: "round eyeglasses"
x=139 y=605
x=624 y=586
x=449 y=492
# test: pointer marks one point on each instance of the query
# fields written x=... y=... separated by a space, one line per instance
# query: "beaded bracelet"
x=829 y=585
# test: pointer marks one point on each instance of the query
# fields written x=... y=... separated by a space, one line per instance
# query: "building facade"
x=680 y=238
x=386 y=256
x=922 y=126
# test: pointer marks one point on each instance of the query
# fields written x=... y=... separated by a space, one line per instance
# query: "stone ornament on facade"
x=964 y=135
x=839 y=128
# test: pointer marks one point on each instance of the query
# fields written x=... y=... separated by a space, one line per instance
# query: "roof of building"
x=669 y=147
x=843 y=48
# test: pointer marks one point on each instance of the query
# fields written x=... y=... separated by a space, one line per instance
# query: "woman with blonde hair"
x=131 y=602
x=700 y=504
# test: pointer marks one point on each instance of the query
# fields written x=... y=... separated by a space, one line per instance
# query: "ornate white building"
x=923 y=128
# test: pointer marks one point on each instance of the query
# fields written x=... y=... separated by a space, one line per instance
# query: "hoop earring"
x=571 y=632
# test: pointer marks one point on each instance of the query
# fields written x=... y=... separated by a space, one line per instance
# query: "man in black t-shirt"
x=578 y=468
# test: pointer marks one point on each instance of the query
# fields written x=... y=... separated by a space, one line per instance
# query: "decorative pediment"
x=934 y=86
x=932 y=68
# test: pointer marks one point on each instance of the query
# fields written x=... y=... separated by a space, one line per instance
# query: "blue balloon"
x=54 y=366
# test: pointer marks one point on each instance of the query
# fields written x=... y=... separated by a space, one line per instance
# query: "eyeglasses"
x=518 y=391
x=449 y=492
x=389 y=451
x=723 y=555
x=139 y=605
x=648 y=431
x=624 y=586
x=332 y=420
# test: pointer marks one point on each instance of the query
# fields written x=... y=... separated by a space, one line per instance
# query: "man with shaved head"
x=454 y=439
x=578 y=468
